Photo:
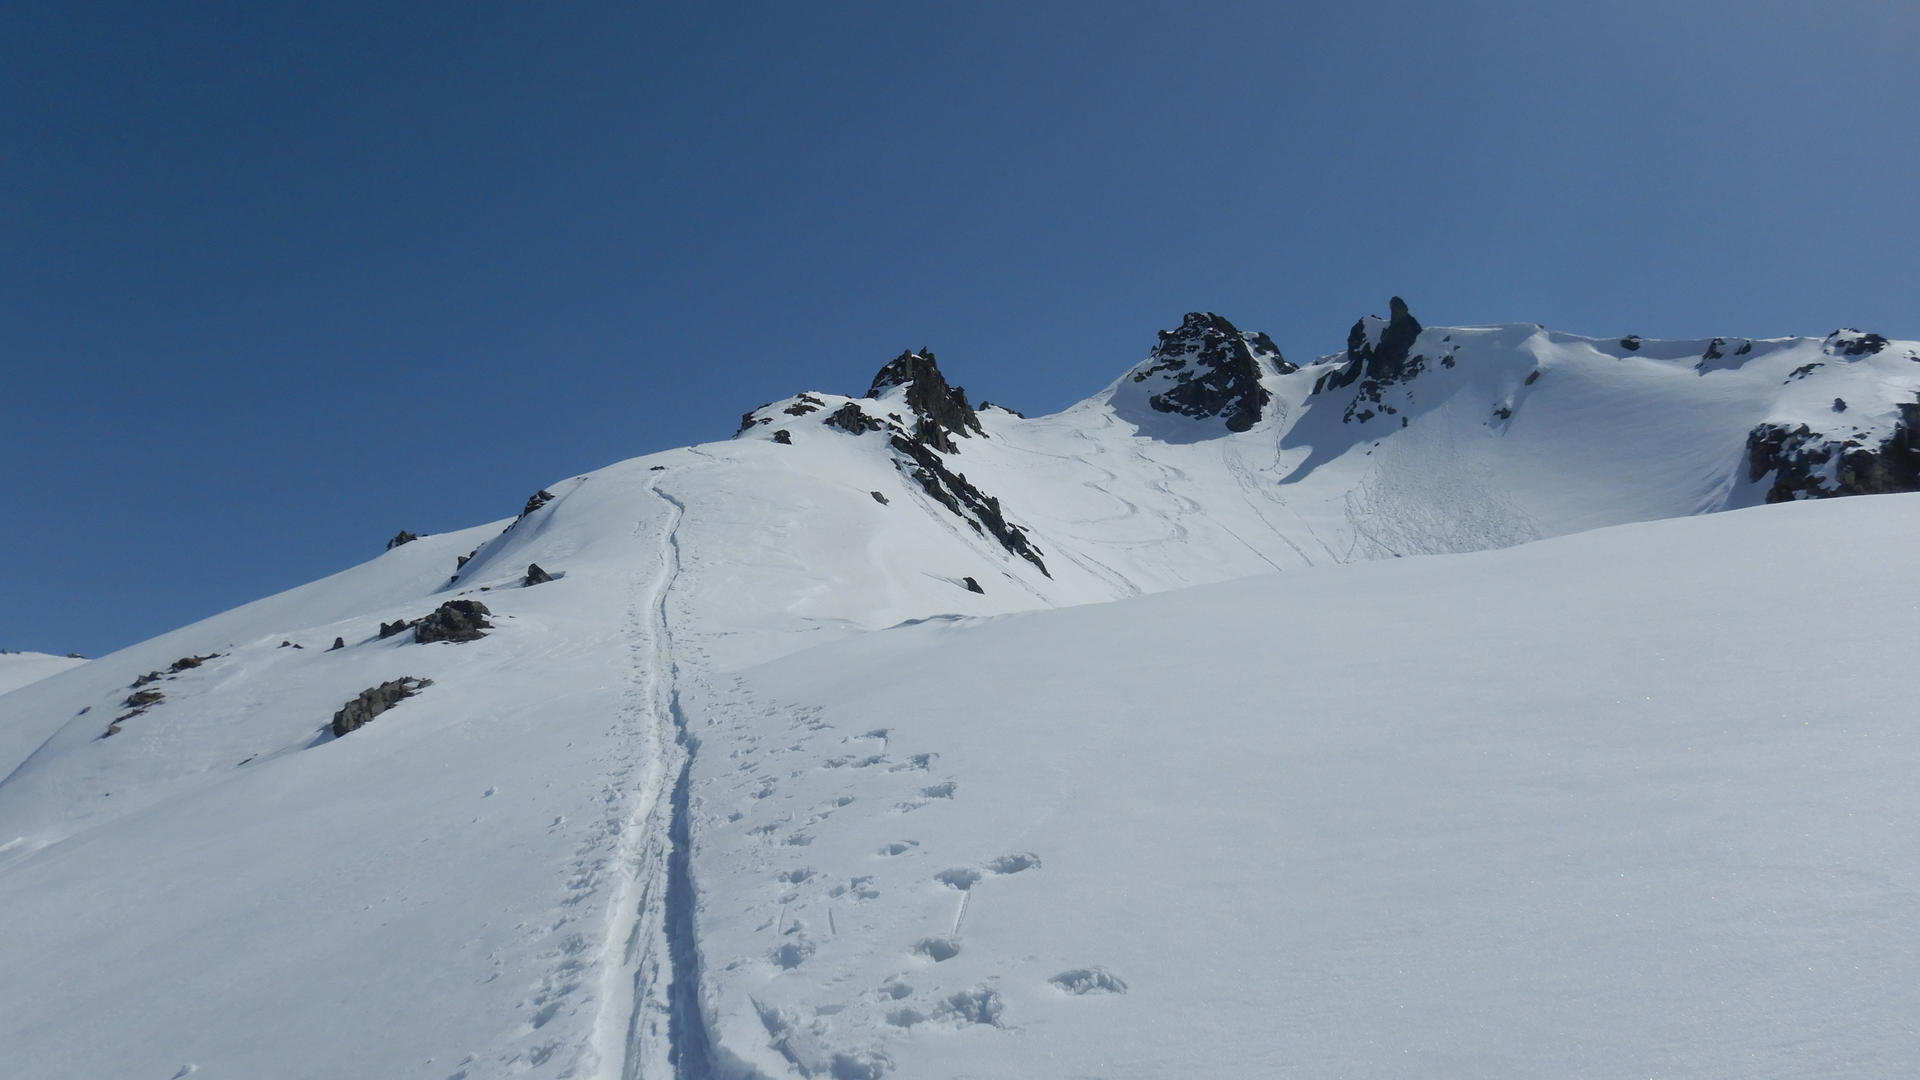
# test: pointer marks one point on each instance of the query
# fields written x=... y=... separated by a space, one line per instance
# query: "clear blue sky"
x=278 y=280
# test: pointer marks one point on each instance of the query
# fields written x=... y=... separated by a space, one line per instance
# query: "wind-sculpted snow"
x=530 y=868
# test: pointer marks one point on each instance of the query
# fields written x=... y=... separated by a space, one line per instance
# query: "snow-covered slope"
x=17 y=669
x=1637 y=802
x=498 y=876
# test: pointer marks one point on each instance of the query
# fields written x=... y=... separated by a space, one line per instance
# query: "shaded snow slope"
x=1538 y=812
x=17 y=669
x=480 y=881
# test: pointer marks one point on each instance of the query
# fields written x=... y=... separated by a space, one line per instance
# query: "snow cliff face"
x=527 y=864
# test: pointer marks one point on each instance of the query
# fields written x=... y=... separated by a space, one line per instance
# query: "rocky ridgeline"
x=937 y=419
x=1212 y=369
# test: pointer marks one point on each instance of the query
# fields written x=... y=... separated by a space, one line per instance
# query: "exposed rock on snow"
x=405 y=537
x=1807 y=464
x=455 y=620
x=1208 y=368
x=536 y=501
x=535 y=575
x=1379 y=354
x=940 y=411
x=952 y=491
x=373 y=701
x=1851 y=342
x=851 y=418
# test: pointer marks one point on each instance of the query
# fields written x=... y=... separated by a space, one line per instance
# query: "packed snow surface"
x=857 y=747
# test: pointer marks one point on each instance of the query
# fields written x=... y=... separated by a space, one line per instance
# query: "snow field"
x=1635 y=802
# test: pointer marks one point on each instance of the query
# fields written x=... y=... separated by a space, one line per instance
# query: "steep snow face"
x=17 y=669
x=1535 y=812
x=480 y=881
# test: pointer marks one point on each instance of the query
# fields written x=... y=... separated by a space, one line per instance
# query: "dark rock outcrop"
x=940 y=411
x=1850 y=342
x=375 y=700
x=973 y=586
x=952 y=491
x=455 y=620
x=535 y=575
x=879 y=498
x=783 y=437
x=185 y=663
x=142 y=698
x=1807 y=464
x=536 y=501
x=1631 y=343
x=1215 y=370
x=1376 y=364
x=338 y=643
x=853 y=420
x=405 y=537
x=387 y=630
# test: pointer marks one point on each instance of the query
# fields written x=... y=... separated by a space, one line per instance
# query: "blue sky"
x=280 y=279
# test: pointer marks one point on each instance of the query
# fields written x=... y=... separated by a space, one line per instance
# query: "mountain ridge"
x=487 y=843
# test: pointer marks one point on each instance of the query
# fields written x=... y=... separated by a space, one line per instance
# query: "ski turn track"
x=648 y=977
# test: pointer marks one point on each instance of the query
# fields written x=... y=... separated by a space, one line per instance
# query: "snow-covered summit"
x=17 y=669
x=561 y=844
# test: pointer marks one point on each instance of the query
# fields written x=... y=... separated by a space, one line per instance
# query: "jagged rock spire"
x=1378 y=350
x=940 y=411
x=1386 y=360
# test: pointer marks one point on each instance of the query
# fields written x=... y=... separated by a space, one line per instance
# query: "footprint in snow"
x=1091 y=980
x=937 y=949
x=963 y=879
x=1013 y=864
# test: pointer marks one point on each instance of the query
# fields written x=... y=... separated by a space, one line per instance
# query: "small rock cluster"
x=455 y=620
x=141 y=700
x=375 y=700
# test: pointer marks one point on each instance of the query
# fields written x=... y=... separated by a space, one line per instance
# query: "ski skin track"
x=650 y=1026
x=637 y=1032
